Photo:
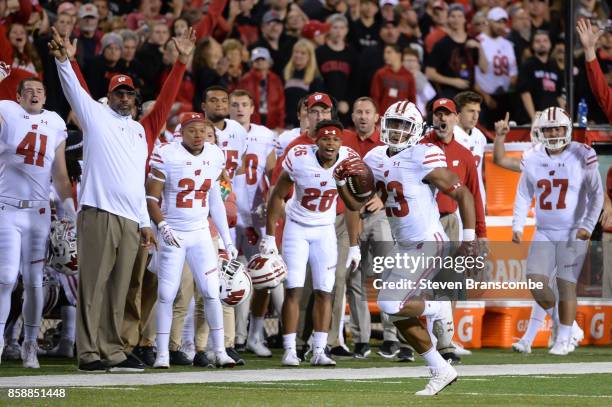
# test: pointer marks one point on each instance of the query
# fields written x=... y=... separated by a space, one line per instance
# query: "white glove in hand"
x=353 y=259
x=167 y=234
x=268 y=245
x=69 y=211
x=232 y=252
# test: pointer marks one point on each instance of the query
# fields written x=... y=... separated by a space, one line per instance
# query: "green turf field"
x=582 y=390
x=479 y=357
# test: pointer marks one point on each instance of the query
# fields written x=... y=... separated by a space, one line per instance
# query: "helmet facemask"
x=400 y=133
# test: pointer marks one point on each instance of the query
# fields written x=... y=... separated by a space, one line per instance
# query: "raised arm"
x=499 y=150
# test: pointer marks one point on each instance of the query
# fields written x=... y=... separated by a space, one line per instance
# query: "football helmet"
x=402 y=126
x=266 y=270
x=62 y=253
x=51 y=293
x=554 y=117
x=235 y=283
x=534 y=128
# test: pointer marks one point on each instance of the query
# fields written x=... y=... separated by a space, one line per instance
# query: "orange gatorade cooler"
x=468 y=323
x=505 y=322
x=595 y=317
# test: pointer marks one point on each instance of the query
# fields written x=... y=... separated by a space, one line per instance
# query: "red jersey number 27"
x=27 y=148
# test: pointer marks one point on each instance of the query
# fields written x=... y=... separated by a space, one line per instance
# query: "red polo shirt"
x=352 y=140
x=609 y=189
x=460 y=161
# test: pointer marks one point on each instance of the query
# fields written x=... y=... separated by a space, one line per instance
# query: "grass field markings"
x=598 y=396
x=104 y=388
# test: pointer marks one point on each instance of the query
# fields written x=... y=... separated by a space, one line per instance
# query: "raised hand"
x=588 y=38
x=185 y=44
x=71 y=47
x=502 y=127
x=56 y=46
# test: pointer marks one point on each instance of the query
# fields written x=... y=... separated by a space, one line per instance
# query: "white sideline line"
x=287 y=375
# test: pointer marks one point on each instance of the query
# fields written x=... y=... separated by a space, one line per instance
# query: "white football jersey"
x=476 y=142
x=501 y=64
x=231 y=141
x=260 y=142
x=315 y=196
x=285 y=138
x=188 y=180
x=27 y=150
x=410 y=203
x=567 y=188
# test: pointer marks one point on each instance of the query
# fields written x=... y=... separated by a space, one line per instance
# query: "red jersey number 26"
x=27 y=148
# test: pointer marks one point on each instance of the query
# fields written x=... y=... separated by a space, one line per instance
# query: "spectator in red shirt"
x=242 y=21
x=147 y=14
x=392 y=82
x=267 y=91
x=24 y=53
x=366 y=135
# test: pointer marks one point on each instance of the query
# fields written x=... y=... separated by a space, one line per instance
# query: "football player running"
x=184 y=177
x=563 y=177
x=32 y=143
x=309 y=235
x=407 y=174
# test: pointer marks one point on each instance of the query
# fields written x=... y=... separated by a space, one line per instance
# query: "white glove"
x=353 y=259
x=268 y=245
x=5 y=70
x=231 y=251
x=69 y=212
x=167 y=234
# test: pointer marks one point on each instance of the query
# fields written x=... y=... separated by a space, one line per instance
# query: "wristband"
x=469 y=235
x=162 y=224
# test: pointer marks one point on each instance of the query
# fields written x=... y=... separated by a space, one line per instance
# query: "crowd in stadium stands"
x=511 y=52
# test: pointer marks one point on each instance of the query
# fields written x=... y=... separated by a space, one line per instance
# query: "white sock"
x=289 y=341
x=319 y=341
x=32 y=312
x=564 y=333
x=433 y=358
x=538 y=315
x=256 y=329
x=216 y=339
x=68 y=323
x=189 y=325
x=431 y=309
x=162 y=340
x=5 y=307
x=575 y=327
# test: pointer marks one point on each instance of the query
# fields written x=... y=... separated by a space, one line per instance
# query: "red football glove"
x=251 y=235
x=348 y=166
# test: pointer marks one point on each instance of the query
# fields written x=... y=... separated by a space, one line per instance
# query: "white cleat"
x=12 y=351
x=576 y=338
x=441 y=378
x=222 y=359
x=290 y=358
x=460 y=350
x=560 y=349
x=259 y=349
x=321 y=359
x=188 y=349
x=162 y=361
x=521 y=347
x=29 y=351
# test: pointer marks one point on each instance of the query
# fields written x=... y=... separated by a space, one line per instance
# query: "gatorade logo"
x=465 y=328
x=597 y=326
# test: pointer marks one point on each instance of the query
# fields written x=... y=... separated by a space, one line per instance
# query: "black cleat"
x=362 y=350
x=338 y=352
x=179 y=358
x=130 y=364
x=231 y=352
x=146 y=354
x=405 y=355
x=388 y=349
x=92 y=367
x=452 y=358
x=201 y=360
x=240 y=347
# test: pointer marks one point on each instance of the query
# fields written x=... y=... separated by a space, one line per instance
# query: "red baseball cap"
x=190 y=117
x=120 y=80
x=445 y=103
x=319 y=98
x=314 y=28
x=329 y=131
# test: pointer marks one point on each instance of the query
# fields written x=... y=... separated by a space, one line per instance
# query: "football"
x=361 y=185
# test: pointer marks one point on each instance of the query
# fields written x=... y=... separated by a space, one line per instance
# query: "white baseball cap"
x=497 y=13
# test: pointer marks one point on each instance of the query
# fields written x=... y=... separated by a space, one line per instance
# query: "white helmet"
x=534 y=128
x=267 y=270
x=235 y=283
x=404 y=118
x=554 y=117
x=62 y=254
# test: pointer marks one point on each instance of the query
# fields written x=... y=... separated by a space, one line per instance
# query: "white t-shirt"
x=501 y=64
x=476 y=142
x=27 y=151
x=285 y=138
